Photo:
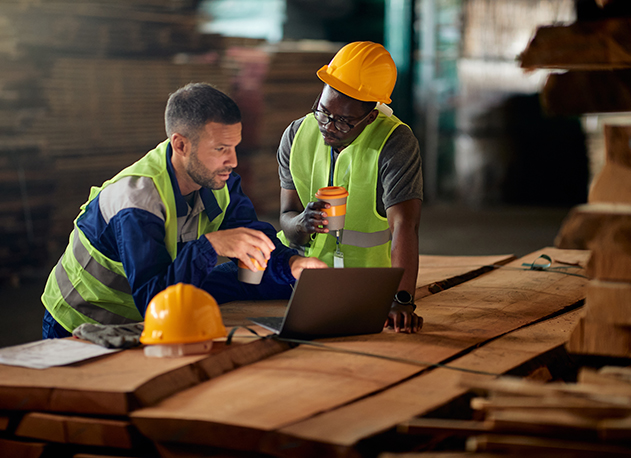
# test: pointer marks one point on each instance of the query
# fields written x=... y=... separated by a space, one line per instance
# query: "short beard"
x=202 y=176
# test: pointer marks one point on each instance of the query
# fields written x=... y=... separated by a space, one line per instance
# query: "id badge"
x=338 y=259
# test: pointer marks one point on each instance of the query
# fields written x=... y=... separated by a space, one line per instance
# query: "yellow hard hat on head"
x=362 y=70
x=182 y=314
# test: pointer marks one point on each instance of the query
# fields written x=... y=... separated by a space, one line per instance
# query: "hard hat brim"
x=344 y=88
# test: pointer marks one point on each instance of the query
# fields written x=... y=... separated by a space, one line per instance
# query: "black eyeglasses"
x=343 y=126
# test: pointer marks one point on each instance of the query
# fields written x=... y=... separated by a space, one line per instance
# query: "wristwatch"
x=404 y=298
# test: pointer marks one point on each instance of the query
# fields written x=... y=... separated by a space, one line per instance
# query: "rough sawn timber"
x=310 y=394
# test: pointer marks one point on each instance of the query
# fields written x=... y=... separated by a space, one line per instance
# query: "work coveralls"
x=140 y=236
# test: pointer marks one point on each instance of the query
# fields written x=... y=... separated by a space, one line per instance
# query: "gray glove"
x=110 y=335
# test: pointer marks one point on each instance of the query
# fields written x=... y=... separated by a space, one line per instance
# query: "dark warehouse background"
x=83 y=86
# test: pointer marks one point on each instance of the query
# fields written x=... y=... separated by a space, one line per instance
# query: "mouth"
x=328 y=138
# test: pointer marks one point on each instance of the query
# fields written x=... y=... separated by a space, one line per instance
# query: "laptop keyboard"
x=272 y=322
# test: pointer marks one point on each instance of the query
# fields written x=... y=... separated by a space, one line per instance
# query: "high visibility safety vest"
x=88 y=287
x=366 y=238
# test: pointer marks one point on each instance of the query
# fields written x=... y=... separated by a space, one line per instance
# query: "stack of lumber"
x=597 y=56
x=83 y=87
x=598 y=61
x=603 y=226
x=520 y=417
x=104 y=114
x=265 y=396
x=100 y=28
x=25 y=186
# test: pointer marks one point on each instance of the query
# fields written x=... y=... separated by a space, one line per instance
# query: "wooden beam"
x=588 y=45
x=578 y=92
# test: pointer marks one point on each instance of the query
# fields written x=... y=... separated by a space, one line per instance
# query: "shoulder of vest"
x=131 y=192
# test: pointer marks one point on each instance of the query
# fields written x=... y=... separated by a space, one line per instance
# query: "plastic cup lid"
x=331 y=192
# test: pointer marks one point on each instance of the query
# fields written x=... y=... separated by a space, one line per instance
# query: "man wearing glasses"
x=351 y=139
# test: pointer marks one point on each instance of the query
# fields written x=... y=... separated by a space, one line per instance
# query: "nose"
x=330 y=126
x=231 y=160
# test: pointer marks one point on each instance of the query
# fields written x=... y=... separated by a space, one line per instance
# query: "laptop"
x=337 y=302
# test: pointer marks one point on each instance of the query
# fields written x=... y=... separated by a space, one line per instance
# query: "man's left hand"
x=403 y=319
x=298 y=263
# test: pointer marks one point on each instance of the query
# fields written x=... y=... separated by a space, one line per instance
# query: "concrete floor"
x=445 y=230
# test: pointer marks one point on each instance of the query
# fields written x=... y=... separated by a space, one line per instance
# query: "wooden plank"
x=513 y=386
x=304 y=381
x=585 y=407
x=440 y=426
x=100 y=432
x=345 y=426
x=578 y=92
x=613 y=184
x=531 y=446
x=603 y=229
x=585 y=45
x=120 y=382
x=600 y=338
x=435 y=273
x=14 y=448
x=608 y=302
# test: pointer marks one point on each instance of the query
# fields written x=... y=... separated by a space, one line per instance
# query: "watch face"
x=403 y=297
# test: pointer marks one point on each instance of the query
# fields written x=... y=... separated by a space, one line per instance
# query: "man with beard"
x=352 y=140
x=164 y=220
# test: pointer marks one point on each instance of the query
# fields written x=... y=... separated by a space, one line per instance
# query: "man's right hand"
x=242 y=243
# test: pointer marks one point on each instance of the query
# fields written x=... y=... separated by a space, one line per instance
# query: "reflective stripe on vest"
x=102 y=274
x=365 y=239
x=86 y=285
x=72 y=297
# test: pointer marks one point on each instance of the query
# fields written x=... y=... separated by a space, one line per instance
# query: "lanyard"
x=332 y=169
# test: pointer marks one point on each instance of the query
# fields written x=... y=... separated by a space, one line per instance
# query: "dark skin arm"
x=297 y=222
x=404 y=219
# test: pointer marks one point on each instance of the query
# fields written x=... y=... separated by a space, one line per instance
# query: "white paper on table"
x=51 y=352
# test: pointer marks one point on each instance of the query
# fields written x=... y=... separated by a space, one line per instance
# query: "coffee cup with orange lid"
x=336 y=197
x=248 y=276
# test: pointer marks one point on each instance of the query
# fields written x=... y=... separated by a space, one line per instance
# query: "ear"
x=372 y=116
x=181 y=145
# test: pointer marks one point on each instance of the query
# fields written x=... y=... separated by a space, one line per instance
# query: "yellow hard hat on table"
x=182 y=314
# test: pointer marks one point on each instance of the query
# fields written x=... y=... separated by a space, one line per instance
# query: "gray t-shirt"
x=400 y=175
